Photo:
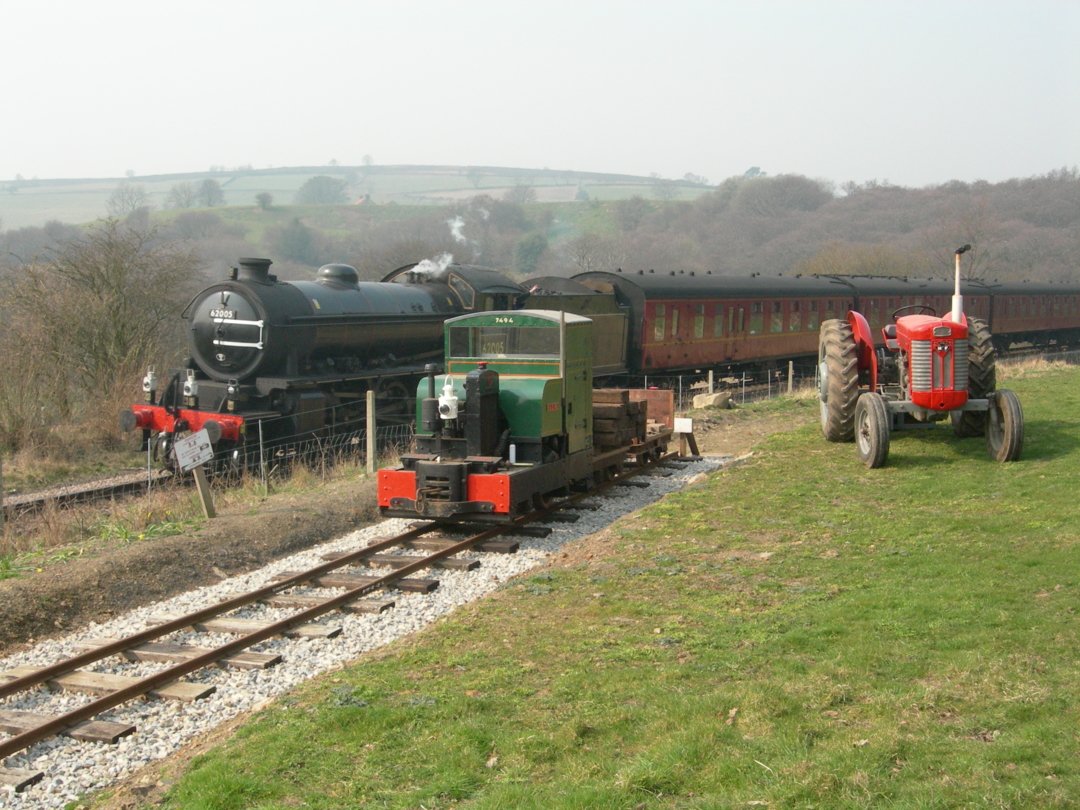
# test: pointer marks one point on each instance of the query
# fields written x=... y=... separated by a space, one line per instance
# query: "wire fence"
x=741 y=386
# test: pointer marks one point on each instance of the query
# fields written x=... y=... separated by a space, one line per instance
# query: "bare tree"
x=591 y=251
x=322 y=190
x=520 y=194
x=182 y=195
x=125 y=199
x=100 y=311
x=210 y=193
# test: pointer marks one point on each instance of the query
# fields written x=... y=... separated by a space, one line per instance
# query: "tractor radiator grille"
x=960 y=365
x=945 y=371
x=922 y=366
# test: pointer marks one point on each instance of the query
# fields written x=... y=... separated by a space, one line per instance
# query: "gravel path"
x=73 y=769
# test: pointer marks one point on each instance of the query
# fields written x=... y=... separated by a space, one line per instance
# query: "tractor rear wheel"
x=982 y=379
x=1004 y=426
x=872 y=430
x=838 y=380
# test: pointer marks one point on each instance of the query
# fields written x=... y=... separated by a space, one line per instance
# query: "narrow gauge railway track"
x=83 y=723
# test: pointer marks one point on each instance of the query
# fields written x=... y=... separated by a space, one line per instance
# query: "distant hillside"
x=34 y=202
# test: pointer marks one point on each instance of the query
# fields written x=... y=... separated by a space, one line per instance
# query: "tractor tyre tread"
x=872 y=428
x=837 y=349
x=982 y=378
x=1005 y=428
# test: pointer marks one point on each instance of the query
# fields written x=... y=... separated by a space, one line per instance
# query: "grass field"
x=796 y=632
x=35 y=202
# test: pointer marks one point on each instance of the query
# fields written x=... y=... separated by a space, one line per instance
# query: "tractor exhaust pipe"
x=957 y=299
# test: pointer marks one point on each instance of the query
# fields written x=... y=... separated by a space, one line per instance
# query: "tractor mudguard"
x=864 y=347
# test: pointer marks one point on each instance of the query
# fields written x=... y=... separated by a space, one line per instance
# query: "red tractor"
x=931 y=368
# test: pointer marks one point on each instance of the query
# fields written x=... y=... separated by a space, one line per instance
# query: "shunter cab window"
x=503 y=341
x=659 y=322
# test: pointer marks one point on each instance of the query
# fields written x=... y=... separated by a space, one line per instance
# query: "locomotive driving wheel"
x=838 y=380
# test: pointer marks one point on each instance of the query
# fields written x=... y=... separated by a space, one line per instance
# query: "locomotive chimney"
x=254 y=270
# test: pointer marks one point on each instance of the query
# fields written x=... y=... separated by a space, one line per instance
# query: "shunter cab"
x=508 y=423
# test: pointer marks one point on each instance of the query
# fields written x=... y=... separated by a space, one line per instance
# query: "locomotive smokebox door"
x=481 y=411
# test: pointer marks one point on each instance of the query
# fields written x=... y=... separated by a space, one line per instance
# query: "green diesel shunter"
x=508 y=423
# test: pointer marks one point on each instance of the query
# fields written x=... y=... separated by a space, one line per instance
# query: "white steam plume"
x=436 y=265
x=457 y=229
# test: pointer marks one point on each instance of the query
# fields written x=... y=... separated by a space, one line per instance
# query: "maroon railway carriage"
x=686 y=321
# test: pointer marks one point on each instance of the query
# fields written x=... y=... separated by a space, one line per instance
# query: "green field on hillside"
x=34 y=202
x=795 y=632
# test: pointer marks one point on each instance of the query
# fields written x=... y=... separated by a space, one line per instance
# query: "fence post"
x=790 y=376
x=1 y=496
x=370 y=431
x=262 y=458
x=711 y=381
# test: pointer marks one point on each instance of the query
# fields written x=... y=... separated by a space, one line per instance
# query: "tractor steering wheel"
x=915 y=307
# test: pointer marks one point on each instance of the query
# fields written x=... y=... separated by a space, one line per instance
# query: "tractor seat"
x=889 y=333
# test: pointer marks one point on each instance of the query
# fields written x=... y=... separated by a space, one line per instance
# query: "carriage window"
x=757 y=318
x=776 y=323
x=811 y=319
x=699 y=320
x=659 y=323
x=718 y=321
x=795 y=317
x=674 y=321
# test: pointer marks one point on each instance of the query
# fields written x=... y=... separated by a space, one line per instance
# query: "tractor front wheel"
x=872 y=430
x=838 y=380
x=1004 y=426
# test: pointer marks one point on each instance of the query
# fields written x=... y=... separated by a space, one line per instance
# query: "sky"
x=912 y=93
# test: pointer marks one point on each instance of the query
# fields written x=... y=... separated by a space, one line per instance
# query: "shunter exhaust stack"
x=957 y=299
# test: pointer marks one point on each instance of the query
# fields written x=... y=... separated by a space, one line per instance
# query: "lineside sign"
x=193 y=450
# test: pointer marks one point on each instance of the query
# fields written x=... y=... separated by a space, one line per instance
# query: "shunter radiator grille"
x=943 y=371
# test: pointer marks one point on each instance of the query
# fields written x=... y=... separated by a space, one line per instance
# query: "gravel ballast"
x=73 y=769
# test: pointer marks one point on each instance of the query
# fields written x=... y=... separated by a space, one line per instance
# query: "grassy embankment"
x=800 y=631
